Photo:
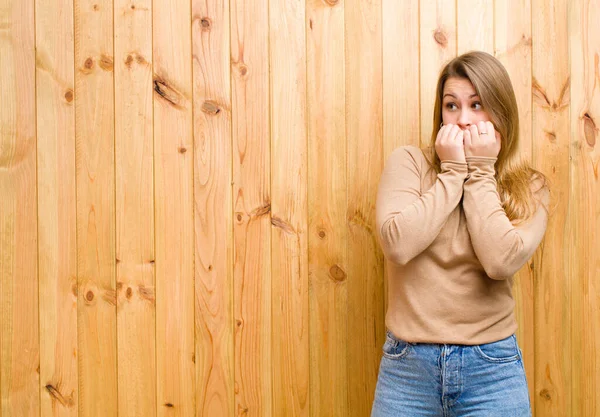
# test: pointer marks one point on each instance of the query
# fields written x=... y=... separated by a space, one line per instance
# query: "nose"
x=464 y=119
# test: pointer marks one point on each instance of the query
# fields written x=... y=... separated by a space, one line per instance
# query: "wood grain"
x=174 y=208
x=512 y=35
x=136 y=322
x=475 y=25
x=95 y=167
x=584 y=217
x=213 y=212
x=437 y=46
x=553 y=284
x=364 y=135
x=287 y=39
x=401 y=84
x=19 y=327
x=252 y=207
x=57 y=215
x=327 y=191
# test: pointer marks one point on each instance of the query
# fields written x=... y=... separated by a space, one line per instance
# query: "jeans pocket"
x=505 y=350
x=395 y=348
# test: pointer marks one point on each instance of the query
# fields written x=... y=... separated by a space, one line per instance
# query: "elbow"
x=393 y=247
x=501 y=268
x=498 y=271
x=507 y=261
x=397 y=256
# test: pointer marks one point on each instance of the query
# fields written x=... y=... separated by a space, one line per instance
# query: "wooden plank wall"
x=187 y=197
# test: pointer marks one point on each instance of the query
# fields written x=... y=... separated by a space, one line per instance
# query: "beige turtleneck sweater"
x=450 y=249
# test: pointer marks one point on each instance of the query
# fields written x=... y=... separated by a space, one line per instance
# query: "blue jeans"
x=422 y=379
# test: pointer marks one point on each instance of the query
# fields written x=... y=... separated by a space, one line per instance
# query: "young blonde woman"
x=456 y=221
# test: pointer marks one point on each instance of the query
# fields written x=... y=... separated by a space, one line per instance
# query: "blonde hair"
x=490 y=80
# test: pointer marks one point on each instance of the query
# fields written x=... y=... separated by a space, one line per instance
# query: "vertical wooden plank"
x=290 y=365
x=213 y=209
x=512 y=33
x=252 y=206
x=56 y=207
x=550 y=85
x=364 y=83
x=401 y=96
x=327 y=191
x=94 y=122
x=584 y=218
x=173 y=203
x=437 y=46
x=136 y=323
x=475 y=25
x=19 y=331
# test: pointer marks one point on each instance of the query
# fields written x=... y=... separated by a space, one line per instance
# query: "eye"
x=451 y=106
x=477 y=106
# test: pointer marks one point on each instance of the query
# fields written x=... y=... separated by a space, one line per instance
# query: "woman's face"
x=461 y=105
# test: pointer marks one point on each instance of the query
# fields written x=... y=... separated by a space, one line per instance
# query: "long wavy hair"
x=491 y=81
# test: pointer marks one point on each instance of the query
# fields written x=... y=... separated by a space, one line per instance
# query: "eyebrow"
x=452 y=95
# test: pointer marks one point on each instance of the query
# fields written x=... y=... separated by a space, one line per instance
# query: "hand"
x=482 y=140
x=449 y=144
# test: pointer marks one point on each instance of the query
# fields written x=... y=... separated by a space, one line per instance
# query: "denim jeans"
x=423 y=379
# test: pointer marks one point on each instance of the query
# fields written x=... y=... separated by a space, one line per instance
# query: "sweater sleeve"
x=501 y=247
x=408 y=221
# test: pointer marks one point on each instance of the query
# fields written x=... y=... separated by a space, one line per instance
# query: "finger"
x=447 y=133
x=454 y=132
x=440 y=133
x=482 y=128
x=474 y=134
x=460 y=137
x=489 y=126
x=467 y=138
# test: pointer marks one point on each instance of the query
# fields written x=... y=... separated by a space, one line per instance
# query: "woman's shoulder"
x=408 y=151
x=410 y=154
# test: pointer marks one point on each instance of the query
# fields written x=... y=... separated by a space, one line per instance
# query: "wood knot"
x=106 y=63
x=239 y=217
x=589 y=129
x=182 y=150
x=133 y=7
x=164 y=90
x=129 y=292
x=440 y=37
x=545 y=394
x=322 y=234
x=129 y=61
x=89 y=296
x=96 y=7
x=238 y=323
x=210 y=267
x=140 y=59
x=205 y=22
x=169 y=405
x=69 y=96
x=336 y=273
x=88 y=64
x=243 y=70
x=210 y=107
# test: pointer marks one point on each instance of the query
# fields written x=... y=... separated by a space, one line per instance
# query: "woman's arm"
x=501 y=247
x=407 y=222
